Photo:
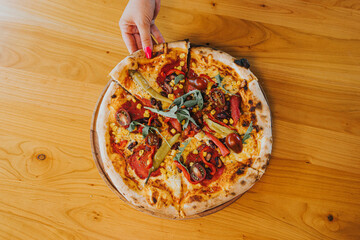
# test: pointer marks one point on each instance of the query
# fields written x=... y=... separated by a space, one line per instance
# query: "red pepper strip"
x=123 y=144
x=207 y=77
x=175 y=123
x=166 y=119
x=219 y=122
x=151 y=156
x=207 y=128
x=178 y=72
x=224 y=151
x=186 y=173
x=150 y=119
x=235 y=108
x=212 y=167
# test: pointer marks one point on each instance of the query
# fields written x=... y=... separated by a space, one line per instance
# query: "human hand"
x=137 y=23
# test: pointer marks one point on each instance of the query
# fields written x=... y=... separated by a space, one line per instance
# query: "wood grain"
x=54 y=60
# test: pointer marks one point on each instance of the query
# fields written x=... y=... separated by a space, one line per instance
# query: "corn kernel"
x=133 y=99
x=213 y=112
x=195 y=151
x=172 y=83
x=146 y=114
x=191 y=164
x=182 y=63
x=173 y=152
x=182 y=81
x=163 y=171
x=193 y=65
x=183 y=122
x=238 y=83
x=171 y=96
x=231 y=121
x=194 y=110
x=181 y=86
x=204 y=154
x=112 y=125
x=141 y=152
x=148 y=162
x=182 y=55
x=225 y=121
x=175 y=88
x=206 y=166
x=138 y=106
x=162 y=164
x=173 y=131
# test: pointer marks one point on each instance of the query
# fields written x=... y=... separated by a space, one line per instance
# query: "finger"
x=157 y=34
x=138 y=41
x=157 y=8
x=130 y=42
x=144 y=30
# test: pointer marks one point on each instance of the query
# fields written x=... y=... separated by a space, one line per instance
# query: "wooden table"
x=54 y=60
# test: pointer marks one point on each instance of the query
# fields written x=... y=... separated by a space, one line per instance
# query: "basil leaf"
x=178 y=155
x=219 y=82
x=132 y=126
x=247 y=133
x=178 y=78
x=146 y=129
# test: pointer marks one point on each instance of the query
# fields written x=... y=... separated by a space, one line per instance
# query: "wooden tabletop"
x=54 y=60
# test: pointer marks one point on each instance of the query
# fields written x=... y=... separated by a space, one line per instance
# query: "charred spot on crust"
x=242 y=63
x=154 y=200
x=243 y=182
x=252 y=109
x=256 y=128
x=240 y=171
x=259 y=106
x=253 y=117
x=113 y=96
x=194 y=207
x=157 y=53
x=250 y=102
x=195 y=198
x=245 y=88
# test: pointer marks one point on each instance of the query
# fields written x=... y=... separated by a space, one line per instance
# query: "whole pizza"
x=184 y=131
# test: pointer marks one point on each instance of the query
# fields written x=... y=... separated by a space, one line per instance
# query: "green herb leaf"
x=247 y=133
x=219 y=82
x=197 y=100
x=178 y=155
x=178 y=78
x=146 y=129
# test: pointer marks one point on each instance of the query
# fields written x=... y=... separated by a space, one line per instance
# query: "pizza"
x=184 y=131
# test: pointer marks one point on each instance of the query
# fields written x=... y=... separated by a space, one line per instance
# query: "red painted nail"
x=147 y=52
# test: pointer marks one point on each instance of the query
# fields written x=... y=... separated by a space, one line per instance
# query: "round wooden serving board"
x=94 y=140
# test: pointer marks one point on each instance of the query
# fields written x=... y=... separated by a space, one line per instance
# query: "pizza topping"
x=224 y=151
x=141 y=81
x=141 y=161
x=247 y=133
x=197 y=172
x=217 y=97
x=161 y=154
x=206 y=157
x=132 y=145
x=219 y=83
x=235 y=102
x=167 y=88
x=199 y=83
x=123 y=117
x=233 y=141
x=145 y=129
x=152 y=139
x=218 y=128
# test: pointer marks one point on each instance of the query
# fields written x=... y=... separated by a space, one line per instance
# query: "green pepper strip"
x=161 y=154
x=223 y=131
x=141 y=81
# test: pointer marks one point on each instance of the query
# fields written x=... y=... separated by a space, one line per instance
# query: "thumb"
x=144 y=30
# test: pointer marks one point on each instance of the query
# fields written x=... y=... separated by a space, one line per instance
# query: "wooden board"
x=54 y=60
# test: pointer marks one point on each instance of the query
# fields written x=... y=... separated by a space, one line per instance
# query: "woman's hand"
x=137 y=23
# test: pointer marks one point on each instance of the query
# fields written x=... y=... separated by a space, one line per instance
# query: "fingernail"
x=147 y=52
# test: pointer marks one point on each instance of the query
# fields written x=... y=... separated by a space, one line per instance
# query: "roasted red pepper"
x=151 y=157
x=223 y=149
x=186 y=173
x=235 y=102
x=178 y=72
x=212 y=167
x=207 y=77
x=175 y=123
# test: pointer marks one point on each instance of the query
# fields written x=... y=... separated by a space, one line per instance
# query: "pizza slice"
x=160 y=77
